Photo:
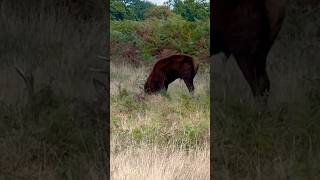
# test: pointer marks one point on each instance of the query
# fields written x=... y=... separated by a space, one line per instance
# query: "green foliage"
x=139 y=7
x=152 y=36
x=191 y=10
x=117 y=10
x=128 y=9
x=160 y=12
x=159 y=30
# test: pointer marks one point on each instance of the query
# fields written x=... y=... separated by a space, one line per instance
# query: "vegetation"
x=163 y=136
x=171 y=129
x=49 y=110
x=190 y=10
x=160 y=163
x=128 y=9
x=146 y=40
x=160 y=32
x=148 y=117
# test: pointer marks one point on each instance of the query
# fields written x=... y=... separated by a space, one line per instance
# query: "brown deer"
x=170 y=68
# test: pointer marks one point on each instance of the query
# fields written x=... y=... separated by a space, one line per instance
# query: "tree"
x=139 y=7
x=160 y=12
x=129 y=9
x=117 y=10
x=191 y=10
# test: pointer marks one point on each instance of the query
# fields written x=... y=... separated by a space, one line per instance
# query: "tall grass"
x=159 y=136
x=169 y=163
x=48 y=114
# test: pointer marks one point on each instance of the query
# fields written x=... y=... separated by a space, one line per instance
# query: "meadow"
x=163 y=136
x=49 y=108
x=158 y=136
x=51 y=112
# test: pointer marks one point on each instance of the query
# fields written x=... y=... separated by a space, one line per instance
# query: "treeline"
x=142 y=31
x=137 y=10
x=137 y=41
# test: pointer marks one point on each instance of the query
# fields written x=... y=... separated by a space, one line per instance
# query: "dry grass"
x=160 y=163
x=133 y=78
x=159 y=136
x=48 y=127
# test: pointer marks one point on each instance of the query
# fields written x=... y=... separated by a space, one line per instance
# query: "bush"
x=153 y=36
x=159 y=12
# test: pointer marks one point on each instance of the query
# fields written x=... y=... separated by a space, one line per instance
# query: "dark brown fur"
x=247 y=29
x=170 y=68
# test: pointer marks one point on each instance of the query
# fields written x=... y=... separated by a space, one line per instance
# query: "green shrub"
x=152 y=36
x=159 y=12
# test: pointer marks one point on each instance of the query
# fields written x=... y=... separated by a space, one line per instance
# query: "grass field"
x=280 y=140
x=159 y=136
x=48 y=113
x=159 y=163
